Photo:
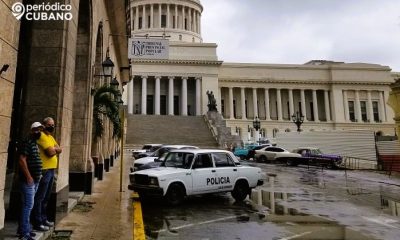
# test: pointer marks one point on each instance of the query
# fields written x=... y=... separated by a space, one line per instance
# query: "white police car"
x=196 y=171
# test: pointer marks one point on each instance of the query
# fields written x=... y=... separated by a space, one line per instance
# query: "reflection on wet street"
x=293 y=203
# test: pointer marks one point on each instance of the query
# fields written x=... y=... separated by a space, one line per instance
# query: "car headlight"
x=153 y=181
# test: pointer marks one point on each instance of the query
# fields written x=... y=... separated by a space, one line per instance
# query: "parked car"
x=196 y=171
x=314 y=156
x=243 y=152
x=157 y=156
x=252 y=152
x=147 y=148
x=275 y=154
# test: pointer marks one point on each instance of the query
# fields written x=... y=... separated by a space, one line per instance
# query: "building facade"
x=330 y=95
x=54 y=67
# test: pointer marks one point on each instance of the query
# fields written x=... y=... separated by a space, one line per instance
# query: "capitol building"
x=330 y=95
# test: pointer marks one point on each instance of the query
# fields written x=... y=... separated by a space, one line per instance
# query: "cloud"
x=292 y=31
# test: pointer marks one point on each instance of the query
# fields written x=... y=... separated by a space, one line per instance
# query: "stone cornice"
x=312 y=82
x=346 y=66
x=178 y=62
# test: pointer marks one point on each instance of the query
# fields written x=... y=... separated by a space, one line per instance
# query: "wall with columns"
x=330 y=86
x=180 y=21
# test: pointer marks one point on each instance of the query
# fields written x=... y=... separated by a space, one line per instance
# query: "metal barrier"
x=354 y=163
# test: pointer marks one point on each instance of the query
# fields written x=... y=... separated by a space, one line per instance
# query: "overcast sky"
x=296 y=31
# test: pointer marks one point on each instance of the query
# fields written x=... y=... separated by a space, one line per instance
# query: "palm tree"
x=105 y=104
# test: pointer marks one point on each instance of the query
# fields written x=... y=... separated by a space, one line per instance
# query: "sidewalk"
x=107 y=213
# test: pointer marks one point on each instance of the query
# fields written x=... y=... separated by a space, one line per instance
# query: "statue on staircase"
x=212 y=103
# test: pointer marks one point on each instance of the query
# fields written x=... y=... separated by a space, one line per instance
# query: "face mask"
x=36 y=135
x=50 y=129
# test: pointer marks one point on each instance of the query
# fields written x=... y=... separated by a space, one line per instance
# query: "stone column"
x=358 y=107
x=219 y=105
x=130 y=96
x=267 y=111
x=176 y=16
x=132 y=24
x=279 y=101
x=327 y=106
x=315 y=105
x=144 y=18
x=255 y=106
x=157 y=96
x=243 y=102
x=291 y=106
x=184 y=96
x=190 y=19
x=198 y=96
x=171 y=96
x=303 y=104
x=144 y=95
x=159 y=14
x=346 y=106
x=137 y=18
x=231 y=115
x=199 y=23
x=370 y=108
x=183 y=17
x=382 y=107
x=168 y=16
x=152 y=16
x=195 y=21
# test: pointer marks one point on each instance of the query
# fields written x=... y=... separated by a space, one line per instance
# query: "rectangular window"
x=312 y=111
x=363 y=106
x=351 y=111
x=247 y=110
x=163 y=21
x=375 y=110
x=140 y=23
x=186 y=24
x=148 y=21
x=173 y=22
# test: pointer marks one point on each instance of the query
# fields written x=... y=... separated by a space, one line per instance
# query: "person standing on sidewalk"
x=49 y=149
x=30 y=166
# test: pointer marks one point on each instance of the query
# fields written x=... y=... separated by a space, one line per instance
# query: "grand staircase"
x=187 y=130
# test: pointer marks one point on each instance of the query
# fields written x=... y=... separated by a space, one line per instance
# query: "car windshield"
x=179 y=160
x=159 y=152
x=316 y=151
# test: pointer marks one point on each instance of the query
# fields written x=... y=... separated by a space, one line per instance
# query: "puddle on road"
x=307 y=214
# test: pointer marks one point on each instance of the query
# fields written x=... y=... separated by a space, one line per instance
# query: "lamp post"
x=248 y=133
x=298 y=119
x=237 y=130
x=108 y=66
x=257 y=126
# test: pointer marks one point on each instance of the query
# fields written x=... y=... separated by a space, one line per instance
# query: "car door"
x=269 y=152
x=203 y=174
x=226 y=171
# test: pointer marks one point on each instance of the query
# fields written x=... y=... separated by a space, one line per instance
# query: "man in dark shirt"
x=30 y=166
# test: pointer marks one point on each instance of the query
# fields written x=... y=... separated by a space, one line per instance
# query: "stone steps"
x=188 y=130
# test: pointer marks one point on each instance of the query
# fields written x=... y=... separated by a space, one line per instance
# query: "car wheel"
x=263 y=158
x=330 y=166
x=175 y=194
x=291 y=162
x=240 y=191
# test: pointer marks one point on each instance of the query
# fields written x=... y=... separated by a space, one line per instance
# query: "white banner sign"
x=142 y=48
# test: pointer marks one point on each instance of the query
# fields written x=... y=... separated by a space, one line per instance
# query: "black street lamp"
x=237 y=130
x=108 y=66
x=256 y=124
x=298 y=119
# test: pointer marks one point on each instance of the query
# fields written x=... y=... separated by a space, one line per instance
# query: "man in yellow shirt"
x=48 y=149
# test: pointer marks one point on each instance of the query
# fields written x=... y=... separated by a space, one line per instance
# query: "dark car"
x=314 y=156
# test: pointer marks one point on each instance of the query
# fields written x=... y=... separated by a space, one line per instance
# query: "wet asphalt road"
x=297 y=203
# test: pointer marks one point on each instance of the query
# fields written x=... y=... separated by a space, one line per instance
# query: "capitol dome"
x=180 y=20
